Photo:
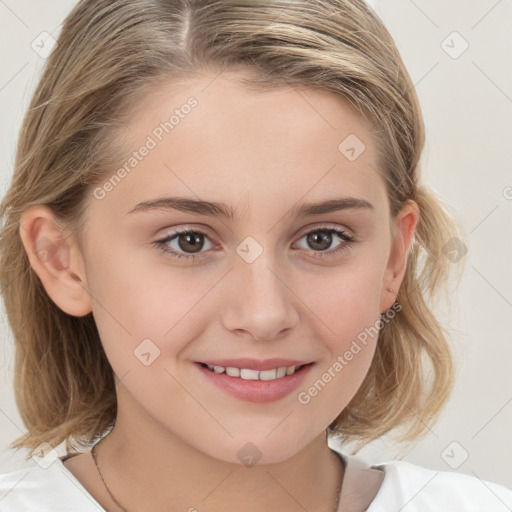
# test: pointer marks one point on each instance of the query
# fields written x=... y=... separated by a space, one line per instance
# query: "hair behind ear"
x=412 y=375
x=63 y=383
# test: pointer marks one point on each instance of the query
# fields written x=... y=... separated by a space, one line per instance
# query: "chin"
x=257 y=451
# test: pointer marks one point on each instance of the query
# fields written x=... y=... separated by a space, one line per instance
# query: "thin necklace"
x=93 y=453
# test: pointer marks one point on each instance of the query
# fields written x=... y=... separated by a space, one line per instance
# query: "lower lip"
x=258 y=391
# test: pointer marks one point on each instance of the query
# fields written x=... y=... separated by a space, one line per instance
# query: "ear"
x=56 y=258
x=405 y=225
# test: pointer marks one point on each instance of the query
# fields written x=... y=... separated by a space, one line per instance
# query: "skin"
x=261 y=153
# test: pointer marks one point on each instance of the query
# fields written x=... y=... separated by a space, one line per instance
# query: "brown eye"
x=190 y=242
x=185 y=244
x=320 y=239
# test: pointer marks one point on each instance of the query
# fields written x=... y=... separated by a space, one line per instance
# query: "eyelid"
x=325 y=225
x=176 y=230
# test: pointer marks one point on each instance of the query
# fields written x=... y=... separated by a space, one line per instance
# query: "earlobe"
x=56 y=259
x=405 y=227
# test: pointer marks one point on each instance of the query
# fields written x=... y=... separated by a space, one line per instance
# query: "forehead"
x=214 y=138
x=230 y=97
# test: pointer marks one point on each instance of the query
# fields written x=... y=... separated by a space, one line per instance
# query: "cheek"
x=345 y=298
x=345 y=302
x=336 y=382
x=348 y=318
x=143 y=308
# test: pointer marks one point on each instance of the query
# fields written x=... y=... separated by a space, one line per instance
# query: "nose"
x=260 y=303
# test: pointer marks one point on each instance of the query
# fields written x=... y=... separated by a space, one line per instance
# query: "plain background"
x=466 y=97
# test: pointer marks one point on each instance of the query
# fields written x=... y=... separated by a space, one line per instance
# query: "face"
x=273 y=280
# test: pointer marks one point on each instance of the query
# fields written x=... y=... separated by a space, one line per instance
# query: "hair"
x=109 y=54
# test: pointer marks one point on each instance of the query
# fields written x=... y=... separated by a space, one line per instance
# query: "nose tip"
x=262 y=306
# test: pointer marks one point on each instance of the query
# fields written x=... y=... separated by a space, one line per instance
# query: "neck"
x=146 y=467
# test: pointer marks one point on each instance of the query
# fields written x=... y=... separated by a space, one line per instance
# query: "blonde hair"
x=110 y=53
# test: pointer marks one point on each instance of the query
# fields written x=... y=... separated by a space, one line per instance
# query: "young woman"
x=217 y=254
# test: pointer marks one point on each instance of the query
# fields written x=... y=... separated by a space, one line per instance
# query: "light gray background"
x=467 y=104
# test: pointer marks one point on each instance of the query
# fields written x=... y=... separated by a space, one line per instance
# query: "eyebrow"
x=222 y=210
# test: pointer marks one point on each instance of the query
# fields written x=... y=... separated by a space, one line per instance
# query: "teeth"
x=268 y=374
x=290 y=370
x=247 y=374
x=233 y=372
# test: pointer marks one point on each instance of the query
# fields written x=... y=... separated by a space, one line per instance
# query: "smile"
x=248 y=374
x=251 y=385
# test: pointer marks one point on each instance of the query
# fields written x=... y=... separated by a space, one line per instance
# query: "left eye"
x=193 y=240
x=323 y=237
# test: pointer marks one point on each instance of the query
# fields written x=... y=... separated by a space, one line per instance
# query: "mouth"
x=252 y=385
x=278 y=372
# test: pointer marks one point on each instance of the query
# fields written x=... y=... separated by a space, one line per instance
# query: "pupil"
x=193 y=241
x=319 y=238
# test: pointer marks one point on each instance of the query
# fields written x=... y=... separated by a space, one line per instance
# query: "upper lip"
x=255 y=364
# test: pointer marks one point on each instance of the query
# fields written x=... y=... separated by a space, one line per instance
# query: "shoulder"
x=51 y=489
x=411 y=488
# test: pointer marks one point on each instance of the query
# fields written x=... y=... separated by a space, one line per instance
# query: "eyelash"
x=349 y=240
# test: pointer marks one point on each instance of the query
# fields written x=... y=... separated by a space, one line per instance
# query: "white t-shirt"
x=398 y=487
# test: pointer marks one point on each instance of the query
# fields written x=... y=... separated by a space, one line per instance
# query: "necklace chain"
x=93 y=453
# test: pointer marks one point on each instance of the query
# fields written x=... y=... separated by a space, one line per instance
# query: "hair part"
x=110 y=54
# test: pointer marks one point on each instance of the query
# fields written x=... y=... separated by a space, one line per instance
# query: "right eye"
x=182 y=240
